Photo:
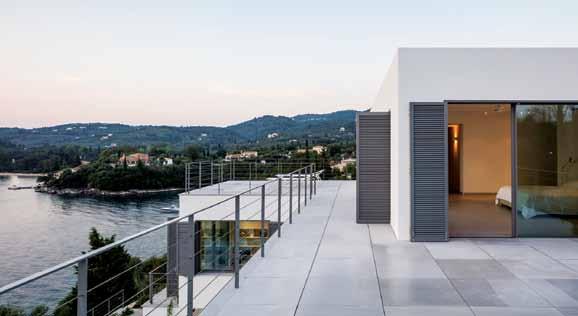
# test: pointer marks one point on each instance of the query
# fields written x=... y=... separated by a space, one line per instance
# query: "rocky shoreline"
x=22 y=174
x=102 y=193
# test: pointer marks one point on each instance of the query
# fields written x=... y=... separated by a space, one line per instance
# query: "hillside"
x=313 y=126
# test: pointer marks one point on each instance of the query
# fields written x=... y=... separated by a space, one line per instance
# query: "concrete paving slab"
x=326 y=264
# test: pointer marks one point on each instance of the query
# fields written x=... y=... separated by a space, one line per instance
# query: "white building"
x=165 y=161
x=492 y=127
x=242 y=155
x=344 y=163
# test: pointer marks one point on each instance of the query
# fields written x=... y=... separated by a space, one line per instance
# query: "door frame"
x=514 y=141
x=514 y=145
x=513 y=155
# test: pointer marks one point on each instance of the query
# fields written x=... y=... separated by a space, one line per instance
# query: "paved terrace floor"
x=325 y=264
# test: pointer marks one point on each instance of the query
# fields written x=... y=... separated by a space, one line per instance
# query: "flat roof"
x=326 y=264
x=250 y=202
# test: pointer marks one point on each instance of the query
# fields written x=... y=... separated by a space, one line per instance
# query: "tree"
x=351 y=171
x=39 y=310
x=192 y=152
x=6 y=310
x=114 y=263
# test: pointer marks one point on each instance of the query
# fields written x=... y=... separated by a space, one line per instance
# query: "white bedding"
x=505 y=194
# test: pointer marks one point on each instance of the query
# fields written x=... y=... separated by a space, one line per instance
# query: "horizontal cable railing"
x=198 y=255
x=203 y=173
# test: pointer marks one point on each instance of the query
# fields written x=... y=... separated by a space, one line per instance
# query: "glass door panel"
x=547 y=172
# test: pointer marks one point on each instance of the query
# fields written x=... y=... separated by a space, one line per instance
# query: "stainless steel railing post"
x=310 y=181
x=220 y=177
x=82 y=288
x=191 y=272
x=186 y=178
x=299 y=192
x=237 y=237
x=279 y=207
x=262 y=236
x=200 y=175
x=151 y=291
x=211 y=172
x=305 y=193
x=315 y=185
x=291 y=198
x=315 y=181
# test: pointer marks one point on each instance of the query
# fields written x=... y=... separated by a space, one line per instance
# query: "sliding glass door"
x=547 y=170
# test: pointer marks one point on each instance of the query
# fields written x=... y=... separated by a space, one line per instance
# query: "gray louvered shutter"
x=429 y=179
x=185 y=248
x=172 y=261
x=373 y=167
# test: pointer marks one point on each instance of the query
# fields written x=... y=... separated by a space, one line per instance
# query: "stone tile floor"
x=325 y=264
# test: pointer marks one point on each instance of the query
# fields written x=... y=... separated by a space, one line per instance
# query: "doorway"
x=454 y=157
x=479 y=170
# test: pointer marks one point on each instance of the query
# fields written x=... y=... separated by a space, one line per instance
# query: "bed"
x=535 y=200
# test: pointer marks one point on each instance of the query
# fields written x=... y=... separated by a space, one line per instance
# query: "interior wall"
x=486 y=146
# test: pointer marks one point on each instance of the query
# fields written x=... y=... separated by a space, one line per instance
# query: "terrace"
x=317 y=261
x=325 y=264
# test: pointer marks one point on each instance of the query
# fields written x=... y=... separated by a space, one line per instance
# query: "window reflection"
x=547 y=150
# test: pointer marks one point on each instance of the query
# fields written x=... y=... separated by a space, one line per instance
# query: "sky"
x=221 y=62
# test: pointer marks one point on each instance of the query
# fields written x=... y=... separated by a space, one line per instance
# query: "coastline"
x=103 y=193
x=22 y=174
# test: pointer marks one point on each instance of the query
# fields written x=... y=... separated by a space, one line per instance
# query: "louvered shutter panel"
x=373 y=167
x=429 y=179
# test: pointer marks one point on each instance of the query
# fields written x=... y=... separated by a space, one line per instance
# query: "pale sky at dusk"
x=221 y=62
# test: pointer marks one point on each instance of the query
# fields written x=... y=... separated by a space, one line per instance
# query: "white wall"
x=438 y=74
x=485 y=147
x=387 y=97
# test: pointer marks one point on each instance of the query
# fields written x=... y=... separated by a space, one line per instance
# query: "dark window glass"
x=547 y=150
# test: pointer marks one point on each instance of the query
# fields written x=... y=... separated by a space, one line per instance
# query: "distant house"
x=343 y=164
x=318 y=149
x=242 y=155
x=342 y=129
x=133 y=159
x=166 y=161
x=272 y=135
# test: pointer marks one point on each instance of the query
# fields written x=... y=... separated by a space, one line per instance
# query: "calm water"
x=39 y=230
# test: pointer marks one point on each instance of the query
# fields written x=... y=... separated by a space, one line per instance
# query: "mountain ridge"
x=263 y=129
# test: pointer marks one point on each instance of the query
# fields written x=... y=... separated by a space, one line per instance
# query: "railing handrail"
x=251 y=161
x=90 y=254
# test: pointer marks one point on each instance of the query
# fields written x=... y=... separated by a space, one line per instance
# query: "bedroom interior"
x=479 y=165
x=483 y=148
x=547 y=174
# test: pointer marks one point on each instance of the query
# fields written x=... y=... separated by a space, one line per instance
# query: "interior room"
x=479 y=170
x=547 y=170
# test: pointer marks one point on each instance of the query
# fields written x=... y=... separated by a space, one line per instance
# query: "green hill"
x=337 y=125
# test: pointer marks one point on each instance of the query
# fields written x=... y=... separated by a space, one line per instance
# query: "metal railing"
x=277 y=198
x=202 y=173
